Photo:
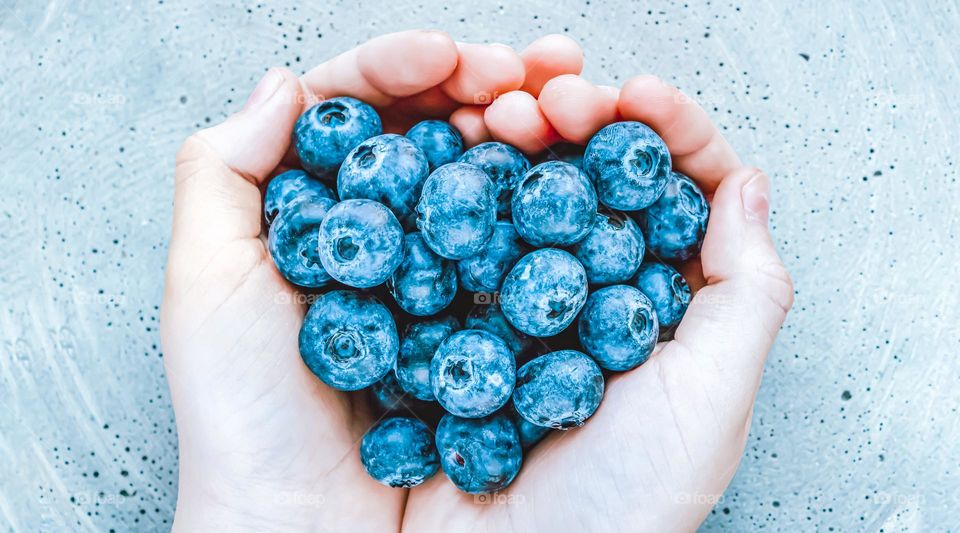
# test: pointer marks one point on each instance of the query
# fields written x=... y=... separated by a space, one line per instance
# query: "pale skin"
x=264 y=445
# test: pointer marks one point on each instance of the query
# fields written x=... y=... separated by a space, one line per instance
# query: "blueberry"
x=484 y=271
x=504 y=164
x=612 y=251
x=360 y=243
x=554 y=205
x=440 y=142
x=558 y=390
x=457 y=210
x=490 y=317
x=569 y=152
x=618 y=327
x=289 y=187
x=399 y=452
x=325 y=134
x=387 y=393
x=420 y=342
x=543 y=292
x=472 y=373
x=674 y=226
x=667 y=290
x=348 y=339
x=530 y=433
x=629 y=164
x=387 y=168
x=424 y=283
x=292 y=242
x=479 y=455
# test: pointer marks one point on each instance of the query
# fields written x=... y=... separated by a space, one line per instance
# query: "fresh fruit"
x=472 y=373
x=420 y=341
x=629 y=164
x=504 y=164
x=667 y=290
x=543 y=292
x=559 y=390
x=291 y=187
x=612 y=251
x=424 y=283
x=389 y=169
x=325 y=134
x=675 y=225
x=360 y=243
x=554 y=205
x=618 y=327
x=348 y=339
x=479 y=455
x=457 y=210
x=484 y=271
x=440 y=142
x=399 y=452
x=292 y=242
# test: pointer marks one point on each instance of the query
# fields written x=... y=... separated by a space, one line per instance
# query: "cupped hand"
x=265 y=445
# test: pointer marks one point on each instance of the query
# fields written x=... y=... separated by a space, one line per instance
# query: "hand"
x=264 y=445
x=669 y=435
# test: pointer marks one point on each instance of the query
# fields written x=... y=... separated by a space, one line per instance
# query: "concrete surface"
x=852 y=108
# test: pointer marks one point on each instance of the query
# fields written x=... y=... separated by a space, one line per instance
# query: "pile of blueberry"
x=486 y=263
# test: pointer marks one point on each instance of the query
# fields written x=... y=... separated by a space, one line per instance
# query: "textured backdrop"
x=852 y=110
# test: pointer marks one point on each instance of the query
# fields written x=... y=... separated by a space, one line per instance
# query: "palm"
x=259 y=433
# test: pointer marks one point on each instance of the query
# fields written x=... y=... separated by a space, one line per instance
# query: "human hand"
x=263 y=443
x=669 y=435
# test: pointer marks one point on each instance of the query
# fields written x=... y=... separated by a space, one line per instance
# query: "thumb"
x=219 y=169
x=734 y=319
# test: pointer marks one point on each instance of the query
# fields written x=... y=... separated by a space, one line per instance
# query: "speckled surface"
x=851 y=107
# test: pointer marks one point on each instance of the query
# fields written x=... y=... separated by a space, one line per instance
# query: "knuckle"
x=780 y=287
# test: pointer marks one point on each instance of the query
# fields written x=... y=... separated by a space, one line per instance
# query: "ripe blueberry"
x=558 y=390
x=290 y=187
x=543 y=292
x=325 y=133
x=667 y=290
x=479 y=455
x=618 y=327
x=472 y=373
x=554 y=205
x=674 y=226
x=484 y=271
x=420 y=341
x=457 y=210
x=629 y=164
x=292 y=242
x=440 y=142
x=360 y=243
x=612 y=251
x=504 y=164
x=399 y=452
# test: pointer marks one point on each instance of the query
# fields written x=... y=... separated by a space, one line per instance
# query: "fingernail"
x=266 y=87
x=756 y=198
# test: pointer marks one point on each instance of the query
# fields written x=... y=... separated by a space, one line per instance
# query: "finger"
x=548 y=57
x=484 y=71
x=219 y=169
x=733 y=320
x=515 y=118
x=578 y=108
x=469 y=121
x=386 y=67
x=697 y=146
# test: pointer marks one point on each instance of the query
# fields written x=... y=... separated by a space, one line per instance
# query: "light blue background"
x=856 y=426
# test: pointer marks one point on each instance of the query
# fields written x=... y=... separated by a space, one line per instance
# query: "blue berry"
x=674 y=226
x=472 y=373
x=569 y=152
x=348 y=339
x=399 y=452
x=360 y=243
x=530 y=433
x=612 y=251
x=484 y=271
x=543 y=292
x=424 y=283
x=289 y=187
x=388 y=395
x=325 y=134
x=420 y=341
x=629 y=163
x=457 y=210
x=667 y=290
x=292 y=242
x=387 y=168
x=504 y=164
x=554 y=205
x=479 y=455
x=618 y=327
x=558 y=390
x=490 y=317
x=440 y=142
